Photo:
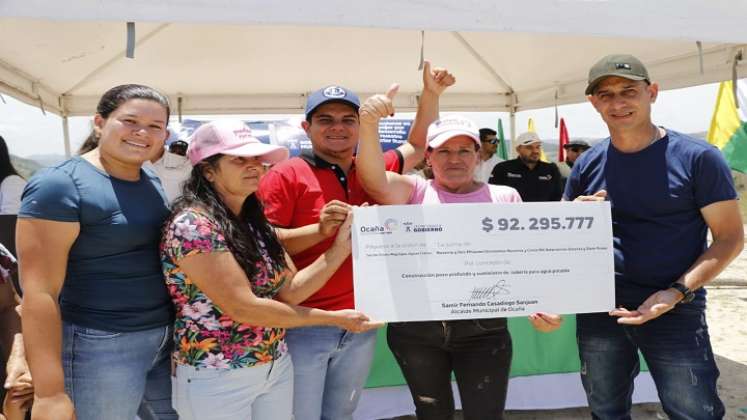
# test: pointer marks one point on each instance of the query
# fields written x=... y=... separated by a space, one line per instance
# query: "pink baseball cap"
x=231 y=137
x=439 y=132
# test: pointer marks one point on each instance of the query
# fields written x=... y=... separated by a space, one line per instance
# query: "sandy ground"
x=727 y=320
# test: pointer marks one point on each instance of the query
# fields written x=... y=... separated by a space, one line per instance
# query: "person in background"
x=573 y=150
x=17 y=391
x=178 y=147
x=97 y=318
x=233 y=285
x=534 y=179
x=11 y=183
x=488 y=157
x=666 y=190
x=172 y=167
x=478 y=352
x=18 y=384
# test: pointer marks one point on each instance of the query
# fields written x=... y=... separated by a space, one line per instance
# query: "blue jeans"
x=677 y=349
x=259 y=392
x=330 y=369
x=117 y=376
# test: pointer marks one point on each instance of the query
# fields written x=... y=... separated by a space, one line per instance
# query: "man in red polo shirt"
x=330 y=364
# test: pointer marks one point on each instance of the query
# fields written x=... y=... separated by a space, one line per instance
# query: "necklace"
x=655 y=137
x=634 y=149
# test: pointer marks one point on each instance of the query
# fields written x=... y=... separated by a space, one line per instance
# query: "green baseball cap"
x=620 y=65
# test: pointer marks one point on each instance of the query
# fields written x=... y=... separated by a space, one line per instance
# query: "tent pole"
x=66 y=133
x=512 y=129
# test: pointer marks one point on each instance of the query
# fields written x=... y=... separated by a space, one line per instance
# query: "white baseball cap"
x=440 y=131
x=525 y=139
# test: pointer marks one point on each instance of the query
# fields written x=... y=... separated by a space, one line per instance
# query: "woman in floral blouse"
x=224 y=268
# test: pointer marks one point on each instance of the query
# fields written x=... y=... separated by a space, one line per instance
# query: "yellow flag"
x=531 y=129
x=725 y=121
x=728 y=129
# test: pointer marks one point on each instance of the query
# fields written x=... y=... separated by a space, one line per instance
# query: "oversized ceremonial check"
x=460 y=261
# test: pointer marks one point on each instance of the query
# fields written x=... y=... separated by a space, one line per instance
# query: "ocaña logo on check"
x=389 y=226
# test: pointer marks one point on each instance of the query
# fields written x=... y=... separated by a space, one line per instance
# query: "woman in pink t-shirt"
x=477 y=351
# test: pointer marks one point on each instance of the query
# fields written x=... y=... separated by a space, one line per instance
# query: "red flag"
x=563 y=140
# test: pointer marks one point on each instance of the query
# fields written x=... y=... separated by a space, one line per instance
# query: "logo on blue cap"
x=331 y=93
x=334 y=92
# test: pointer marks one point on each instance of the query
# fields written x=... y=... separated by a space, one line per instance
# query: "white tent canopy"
x=259 y=56
x=228 y=56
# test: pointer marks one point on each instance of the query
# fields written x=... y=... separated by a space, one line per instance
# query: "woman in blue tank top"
x=88 y=233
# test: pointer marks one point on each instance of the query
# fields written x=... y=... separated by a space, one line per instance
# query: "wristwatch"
x=686 y=292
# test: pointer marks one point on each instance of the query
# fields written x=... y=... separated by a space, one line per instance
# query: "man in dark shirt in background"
x=573 y=150
x=534 y=179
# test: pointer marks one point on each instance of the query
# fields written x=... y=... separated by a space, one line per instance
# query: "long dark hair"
x=116 y=96
x=246 y=233
x=6 y=166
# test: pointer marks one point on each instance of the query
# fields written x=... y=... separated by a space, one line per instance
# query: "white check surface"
x=463 y=261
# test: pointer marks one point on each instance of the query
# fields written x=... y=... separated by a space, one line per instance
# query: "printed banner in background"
x=289 y=133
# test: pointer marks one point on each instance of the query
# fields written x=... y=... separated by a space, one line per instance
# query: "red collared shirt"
x=293 y=194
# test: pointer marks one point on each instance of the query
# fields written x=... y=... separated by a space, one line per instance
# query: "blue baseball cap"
x=331 y=94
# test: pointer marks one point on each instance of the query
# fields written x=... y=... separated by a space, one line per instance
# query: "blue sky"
x=29 y=132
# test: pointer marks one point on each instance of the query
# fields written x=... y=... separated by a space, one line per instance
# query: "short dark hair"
x=485 y=132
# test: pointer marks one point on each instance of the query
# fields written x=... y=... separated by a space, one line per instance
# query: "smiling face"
x=454 y=163
x=624 y=104
x=333 y=131
x=133 y=133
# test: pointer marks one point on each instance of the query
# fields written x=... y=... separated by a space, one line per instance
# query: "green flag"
x=502 y=148
x=728 y=129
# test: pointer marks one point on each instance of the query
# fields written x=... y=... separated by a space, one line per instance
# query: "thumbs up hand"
x=436 y=80
x=378 y=106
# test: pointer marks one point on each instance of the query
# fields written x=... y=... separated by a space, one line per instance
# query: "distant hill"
x=25 y=167
x=47 y=159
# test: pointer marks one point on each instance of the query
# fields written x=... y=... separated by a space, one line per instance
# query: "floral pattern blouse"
x=205 y=337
